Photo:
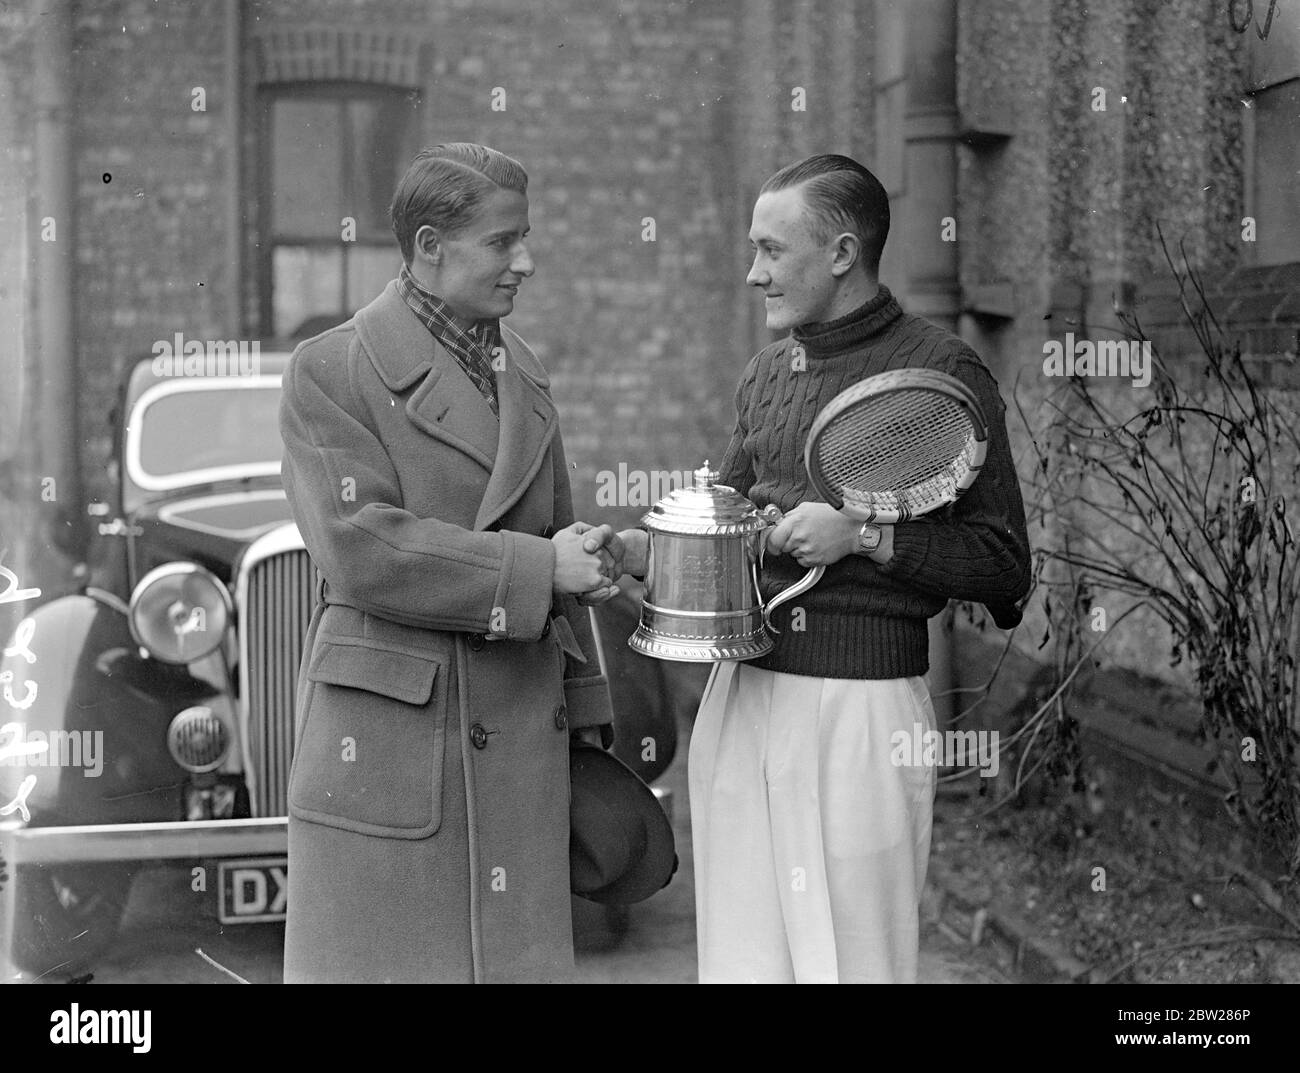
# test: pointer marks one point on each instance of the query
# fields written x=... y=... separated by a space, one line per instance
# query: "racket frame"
x=874 y=387
x=870 y=388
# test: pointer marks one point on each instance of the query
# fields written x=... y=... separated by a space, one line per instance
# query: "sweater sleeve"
x=737 y=468
x=977 y=549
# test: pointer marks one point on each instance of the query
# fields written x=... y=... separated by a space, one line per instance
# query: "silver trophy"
x=702 y=601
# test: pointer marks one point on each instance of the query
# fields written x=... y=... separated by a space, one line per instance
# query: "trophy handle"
x=773 y=514
x=802 y=585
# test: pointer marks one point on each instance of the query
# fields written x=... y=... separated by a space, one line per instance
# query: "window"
x=332 y=156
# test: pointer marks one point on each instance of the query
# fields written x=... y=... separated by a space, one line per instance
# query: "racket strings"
x=900 y=451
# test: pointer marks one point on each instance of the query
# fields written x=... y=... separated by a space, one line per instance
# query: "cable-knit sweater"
x=864 y=620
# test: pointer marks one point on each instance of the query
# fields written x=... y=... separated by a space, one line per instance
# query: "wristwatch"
x=868 y=538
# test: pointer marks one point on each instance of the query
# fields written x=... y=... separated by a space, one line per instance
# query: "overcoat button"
x=478 y=736
x=476 y=641
x=561 y=719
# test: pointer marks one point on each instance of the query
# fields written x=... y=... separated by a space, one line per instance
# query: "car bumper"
x=175 y=840
x=172 y=840
x=178 y=839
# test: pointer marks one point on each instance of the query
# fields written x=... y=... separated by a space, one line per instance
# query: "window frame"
x=1265 y=70
x=341 y=93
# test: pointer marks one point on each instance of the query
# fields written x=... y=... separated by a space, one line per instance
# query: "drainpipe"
x=933 y=288
x=55 y=356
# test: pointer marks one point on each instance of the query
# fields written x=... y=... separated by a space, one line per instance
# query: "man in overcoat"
x=448 y=660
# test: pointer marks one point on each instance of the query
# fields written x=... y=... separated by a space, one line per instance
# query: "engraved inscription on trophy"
x=705 y=583
x=702 y=575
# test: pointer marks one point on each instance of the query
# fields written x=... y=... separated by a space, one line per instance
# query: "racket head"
x=897 y=445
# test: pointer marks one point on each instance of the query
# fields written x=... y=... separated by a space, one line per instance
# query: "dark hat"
x=620 y=842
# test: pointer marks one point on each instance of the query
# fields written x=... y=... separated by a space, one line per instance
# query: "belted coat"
x=429 y=792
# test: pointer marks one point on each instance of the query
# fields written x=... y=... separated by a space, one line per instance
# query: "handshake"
x=589 y=560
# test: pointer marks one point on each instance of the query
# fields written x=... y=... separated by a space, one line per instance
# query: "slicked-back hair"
x=841 y=195
x=444 y=187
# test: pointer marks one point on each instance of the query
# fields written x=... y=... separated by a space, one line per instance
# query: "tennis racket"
x=890 y=448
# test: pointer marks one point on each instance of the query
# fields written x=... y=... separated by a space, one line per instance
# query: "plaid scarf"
x=472 y=349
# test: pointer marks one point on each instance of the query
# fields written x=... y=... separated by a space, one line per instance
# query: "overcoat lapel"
x=528 y=421
x=449 y=407
x=446 y=405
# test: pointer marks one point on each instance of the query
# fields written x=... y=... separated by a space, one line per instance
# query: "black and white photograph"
x=651 y=491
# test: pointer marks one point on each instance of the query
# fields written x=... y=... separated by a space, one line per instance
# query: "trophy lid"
x=705 y=509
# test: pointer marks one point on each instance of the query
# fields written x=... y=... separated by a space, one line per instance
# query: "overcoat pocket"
x=373 y=739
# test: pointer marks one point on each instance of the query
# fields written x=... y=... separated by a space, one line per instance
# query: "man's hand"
x=815 y=534
x=621 y=553
x=630 y=550
x=578 y=570
x=601 y=542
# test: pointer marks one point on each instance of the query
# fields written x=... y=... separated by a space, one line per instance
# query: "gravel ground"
x=1134 y=896
x=167 y=925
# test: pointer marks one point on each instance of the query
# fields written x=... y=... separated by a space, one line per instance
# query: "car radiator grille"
x=281 y=593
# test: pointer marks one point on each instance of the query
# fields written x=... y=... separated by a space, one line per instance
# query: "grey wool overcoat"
x=429 y=794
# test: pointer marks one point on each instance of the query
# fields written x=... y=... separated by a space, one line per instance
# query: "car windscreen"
x=184 y=432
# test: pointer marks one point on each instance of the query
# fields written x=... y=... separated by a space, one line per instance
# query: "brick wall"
x=645 y=110
x=18 y=387
x=153 y=244
x=673 y=110
x=1060 y=210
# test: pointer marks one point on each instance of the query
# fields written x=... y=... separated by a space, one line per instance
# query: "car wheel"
x=66 y=915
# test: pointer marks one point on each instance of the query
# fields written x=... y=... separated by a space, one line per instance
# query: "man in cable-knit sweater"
x=810 y=845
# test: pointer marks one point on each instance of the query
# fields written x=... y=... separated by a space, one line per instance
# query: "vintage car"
x=163 y=728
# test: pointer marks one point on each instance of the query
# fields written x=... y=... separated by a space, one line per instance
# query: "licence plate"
x=252 y=891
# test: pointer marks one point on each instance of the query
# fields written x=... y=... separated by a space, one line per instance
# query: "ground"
x=1021 y=872
x=170 y=933
x=1132 y=897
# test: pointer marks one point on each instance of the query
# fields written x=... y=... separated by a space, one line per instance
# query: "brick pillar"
x=17 y=368
x=56 y=359
x=849 y=83
x=930 y=285
x=233 y=44
x=806 y=127
x=930 y=160
x=889 y=93
x=760 y=94
x=1104 y=226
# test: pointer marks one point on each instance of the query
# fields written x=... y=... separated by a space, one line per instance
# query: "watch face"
x=869 y=537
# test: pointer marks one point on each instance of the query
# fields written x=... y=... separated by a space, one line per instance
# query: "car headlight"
x=180 y=612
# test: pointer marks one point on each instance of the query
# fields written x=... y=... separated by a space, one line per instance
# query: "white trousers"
x=810 y=845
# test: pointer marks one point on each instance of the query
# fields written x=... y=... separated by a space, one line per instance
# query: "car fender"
x=73 y=679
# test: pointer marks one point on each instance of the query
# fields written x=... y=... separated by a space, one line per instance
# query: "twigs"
x=1220 y=937
x=1182 y=506
x=1266 y=894
x=1034 y=724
